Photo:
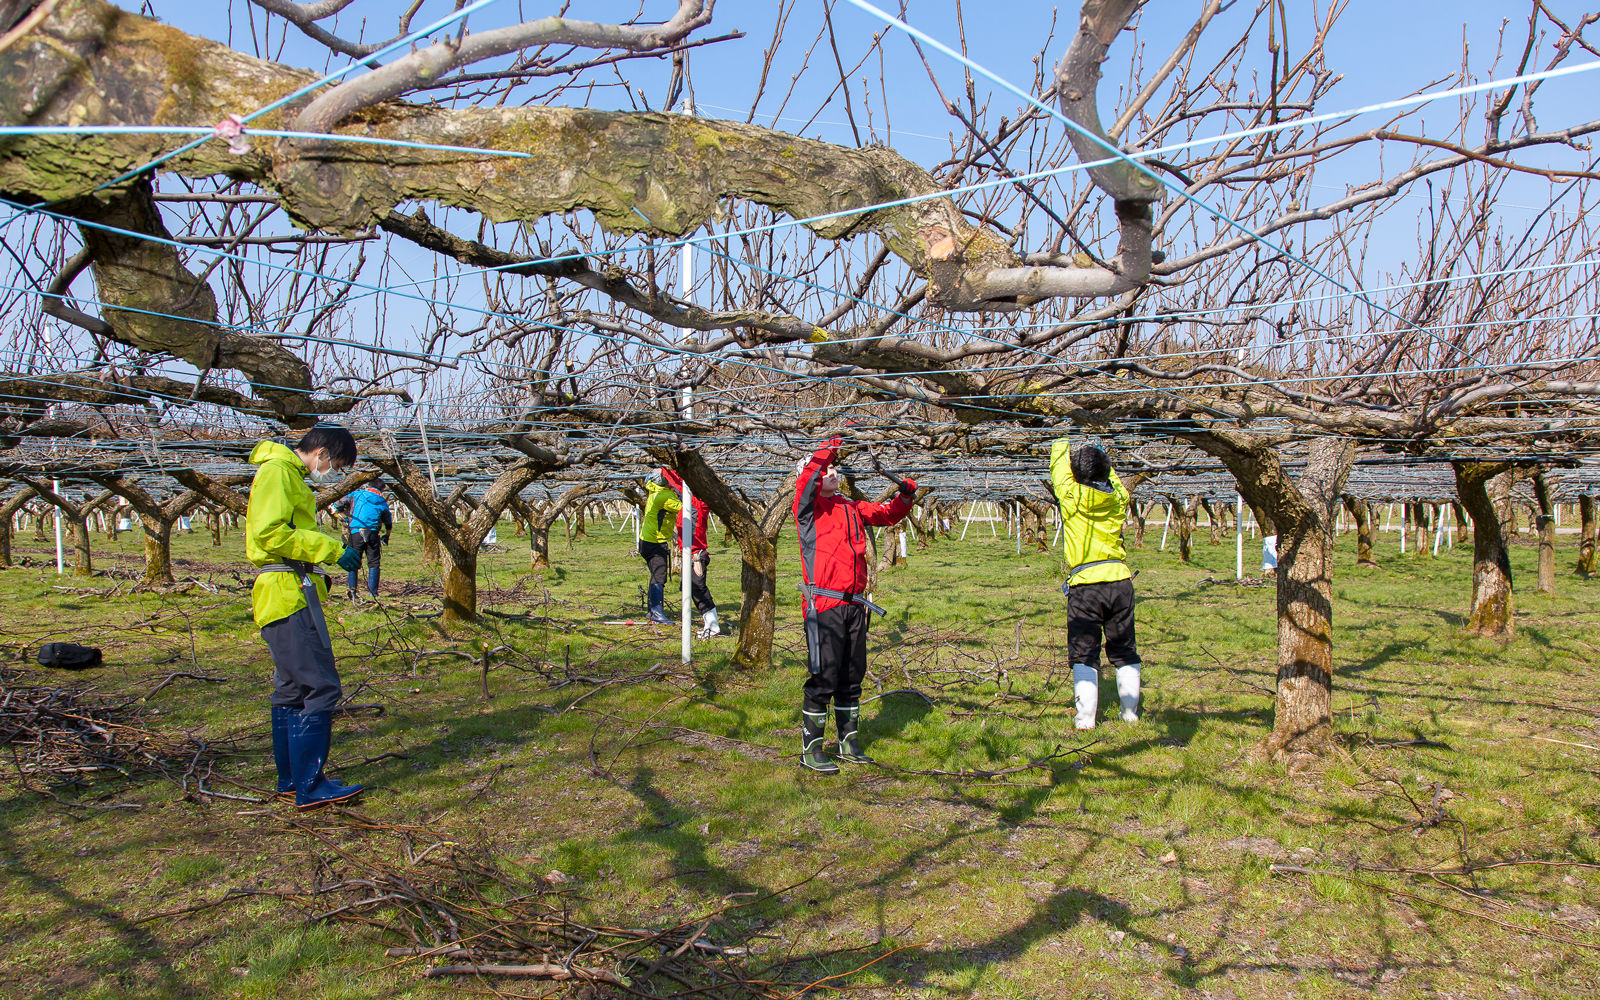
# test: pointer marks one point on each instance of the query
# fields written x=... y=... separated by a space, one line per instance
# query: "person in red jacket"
x=833 y=568
x=699 y=559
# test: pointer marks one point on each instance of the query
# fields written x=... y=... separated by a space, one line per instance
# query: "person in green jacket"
x=658 y=526
x=1099 y=585
x=282 y=540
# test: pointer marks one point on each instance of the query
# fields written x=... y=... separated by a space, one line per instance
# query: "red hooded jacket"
x=702 y=515
x=833 y=543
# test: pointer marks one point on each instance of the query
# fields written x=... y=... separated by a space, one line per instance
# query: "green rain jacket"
x=1091 y=522
x=282 y=524
x=659 y=523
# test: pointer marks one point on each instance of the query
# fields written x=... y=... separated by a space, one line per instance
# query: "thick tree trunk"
x=1361 y=512
x=1140 y=512
x=1212 y=521
x=1545 y=522
x=459 y=541
x=214 y=522
x=431 y=554
x=8 y=514
x=1492 y=598
x=1586 y=536
x=1463 y=525
x=1300 y=511
x=538 y=546
x=460 y=583
x=82 y=559
x=757 y=535
x=1419 y=525
x=157 y=551
x=1185 y=514
x=38 y=524
x=1505 y=506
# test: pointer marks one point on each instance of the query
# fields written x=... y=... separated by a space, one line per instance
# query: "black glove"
x=351 y=560
x=908 y=487
x=386 y=538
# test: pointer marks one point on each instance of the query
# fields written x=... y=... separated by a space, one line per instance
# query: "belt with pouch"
x=305 y=571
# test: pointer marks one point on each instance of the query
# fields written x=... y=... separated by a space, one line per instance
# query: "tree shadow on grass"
x=138 y=939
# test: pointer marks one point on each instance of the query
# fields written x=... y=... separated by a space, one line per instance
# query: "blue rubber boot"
x=658 y=600
x=281 y=715
x=372 y=580
x=310 y=737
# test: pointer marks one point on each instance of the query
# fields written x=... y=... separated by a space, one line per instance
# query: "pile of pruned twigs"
x=58 y=738
x=463 y=911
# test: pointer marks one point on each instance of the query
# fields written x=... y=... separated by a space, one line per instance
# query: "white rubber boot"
x=1086 y=685
x=711 y=629
x=1128 y=691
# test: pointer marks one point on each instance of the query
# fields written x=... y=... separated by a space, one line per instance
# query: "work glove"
x=386 y=538
x=351 y=560
x=908 y=487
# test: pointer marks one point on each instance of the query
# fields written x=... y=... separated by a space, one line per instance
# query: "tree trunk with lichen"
x=1301 y=511
x=757 y=532
x=652 y=172
x=1586 y=535
x=458 y=541
x=1493 y=604
x=1212 y=521
x=1545 y=524
x=8 y=513
x=1361 y=512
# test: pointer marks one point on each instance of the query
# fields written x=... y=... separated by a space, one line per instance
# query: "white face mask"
x=323 y=476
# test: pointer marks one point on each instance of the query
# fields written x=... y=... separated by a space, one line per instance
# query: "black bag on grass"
x=68 y=656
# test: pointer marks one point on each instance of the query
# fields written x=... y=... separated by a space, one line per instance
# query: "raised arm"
x=882 y=514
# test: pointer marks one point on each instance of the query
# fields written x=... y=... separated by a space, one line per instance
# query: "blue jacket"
x=369 y=510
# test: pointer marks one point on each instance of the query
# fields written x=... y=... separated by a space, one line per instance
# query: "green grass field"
x=1139 y=869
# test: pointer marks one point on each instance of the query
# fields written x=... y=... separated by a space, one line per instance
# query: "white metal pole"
x=687 y=541
x=1439 y=536
x=433 y=483
x=1166 y=523
x=1403 y=528
x=1238 y=539
x=966 y=522
x=55 y=484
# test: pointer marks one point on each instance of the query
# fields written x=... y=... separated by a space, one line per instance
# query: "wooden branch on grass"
x=548 y=970
x=182 y=676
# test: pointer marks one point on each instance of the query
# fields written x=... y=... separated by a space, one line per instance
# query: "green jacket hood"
x=272 y=451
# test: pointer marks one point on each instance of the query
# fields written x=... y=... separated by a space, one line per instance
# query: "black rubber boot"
x=812 y=725
x=848 y=718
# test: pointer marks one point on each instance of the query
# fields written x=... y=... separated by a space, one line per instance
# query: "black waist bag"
x=68 y=656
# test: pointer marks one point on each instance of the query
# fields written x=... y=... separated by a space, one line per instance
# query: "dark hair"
x=1090 y=464
x=339 y=442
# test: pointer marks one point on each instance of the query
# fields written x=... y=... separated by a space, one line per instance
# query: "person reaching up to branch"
x=700 y=559
x=1099 y=585
x=833 y=574
x=282 y=540
x=655 y=532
